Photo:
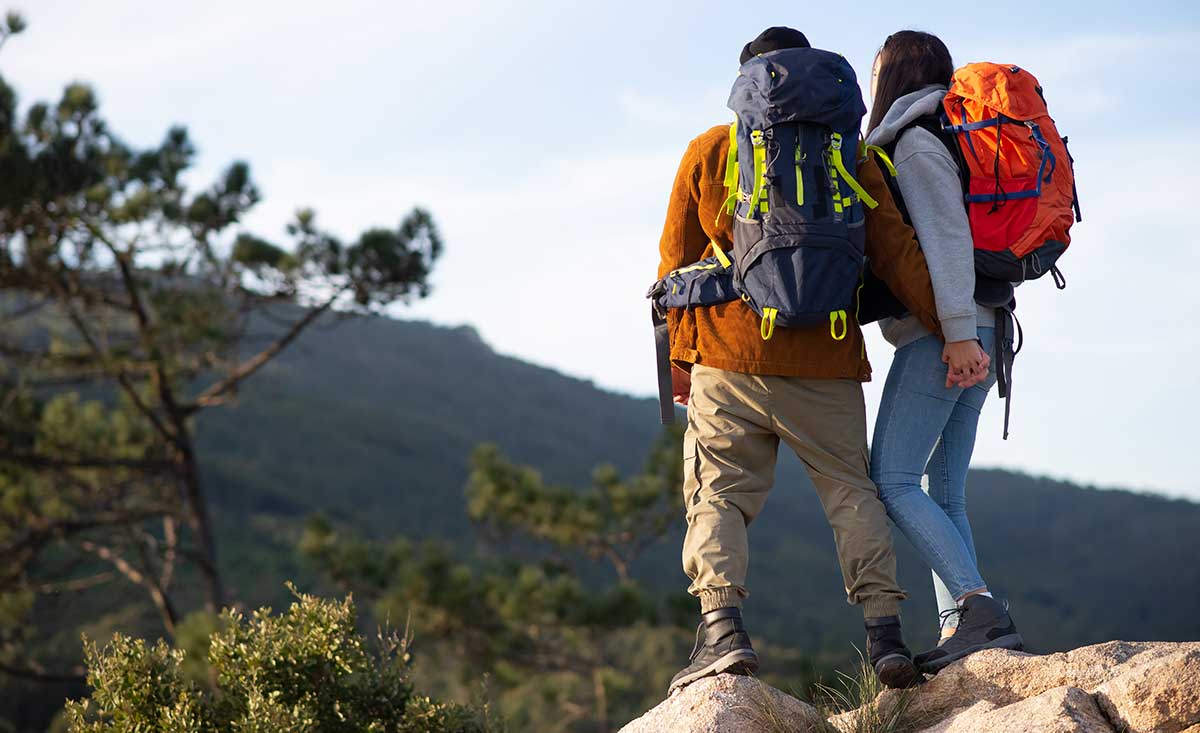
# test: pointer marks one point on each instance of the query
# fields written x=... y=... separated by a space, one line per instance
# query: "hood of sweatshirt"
x=906 y=110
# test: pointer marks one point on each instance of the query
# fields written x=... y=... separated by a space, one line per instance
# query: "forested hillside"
x=388 y=451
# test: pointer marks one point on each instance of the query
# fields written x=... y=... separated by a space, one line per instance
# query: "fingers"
x=967 y=364
x=681 y=385
x=968 y=375
x=962 y=380
x=953 y=376
x=971 y=380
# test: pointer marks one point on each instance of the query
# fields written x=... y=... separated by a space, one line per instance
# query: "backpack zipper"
x=800 y=158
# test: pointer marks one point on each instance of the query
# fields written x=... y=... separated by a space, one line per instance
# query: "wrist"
x=960 y=328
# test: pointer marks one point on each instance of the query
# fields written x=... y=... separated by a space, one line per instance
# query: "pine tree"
x=131 y=303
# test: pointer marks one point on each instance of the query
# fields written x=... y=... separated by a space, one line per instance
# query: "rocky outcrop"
x=729 y=704
x=1140 y=687
x=1061 y=710
x=1160 y=695
x=1137 y=686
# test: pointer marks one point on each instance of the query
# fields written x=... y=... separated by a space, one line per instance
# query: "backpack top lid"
x=797 y=85
x=1008 y=89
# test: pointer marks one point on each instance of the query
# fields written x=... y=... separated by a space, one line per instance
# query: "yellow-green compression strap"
x=837 y=190
x=721 y=257
x=693 y=268
x=731 y=160
x=799 y=177
x=768 y=323
x=887 y=162
x=720 y=253
x=731 y=172
x=834 y=317
x=760 y=164
x=835 y=147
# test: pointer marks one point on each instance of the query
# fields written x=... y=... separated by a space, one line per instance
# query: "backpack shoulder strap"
x=1008 y=345
x=662 y=361
x=934 y=125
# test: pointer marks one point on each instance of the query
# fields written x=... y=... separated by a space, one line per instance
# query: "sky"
x=544 y=137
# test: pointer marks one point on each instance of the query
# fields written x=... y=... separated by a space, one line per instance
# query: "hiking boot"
x=722 y=646
x=943 y=637
x=889 y=656
x=983 y=623
x=925 y=658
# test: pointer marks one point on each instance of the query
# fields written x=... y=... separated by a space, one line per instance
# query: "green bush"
x=304 y=671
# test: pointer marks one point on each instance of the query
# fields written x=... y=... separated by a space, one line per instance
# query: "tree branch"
x=171 y=540
x=165 y=607
x=142 y=316
x=620 y=564
x=67 y=528
x=74 y=585
x=120 y=375
x=214 y=394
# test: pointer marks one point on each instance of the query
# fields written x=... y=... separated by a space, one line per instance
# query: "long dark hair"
x=908 y=61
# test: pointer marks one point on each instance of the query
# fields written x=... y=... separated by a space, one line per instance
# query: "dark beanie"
x=774 y=39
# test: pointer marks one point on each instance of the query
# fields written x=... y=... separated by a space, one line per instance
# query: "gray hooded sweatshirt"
x=929 y=182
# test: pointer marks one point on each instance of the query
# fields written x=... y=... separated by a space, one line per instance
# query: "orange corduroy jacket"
x=727 y=336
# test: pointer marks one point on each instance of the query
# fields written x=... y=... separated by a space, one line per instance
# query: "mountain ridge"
x=471 y=331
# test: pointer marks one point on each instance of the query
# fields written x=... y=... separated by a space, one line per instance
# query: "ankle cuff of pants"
x=876 y=607
x=711 y=600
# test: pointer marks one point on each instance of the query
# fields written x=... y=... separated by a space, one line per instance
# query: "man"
x=745 y=394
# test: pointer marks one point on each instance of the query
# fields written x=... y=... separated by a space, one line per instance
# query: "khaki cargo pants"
x=735 y=423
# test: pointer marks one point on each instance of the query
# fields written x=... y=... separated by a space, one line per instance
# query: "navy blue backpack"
x=798 y=221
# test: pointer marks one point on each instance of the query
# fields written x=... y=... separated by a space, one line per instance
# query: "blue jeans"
x=923 y=427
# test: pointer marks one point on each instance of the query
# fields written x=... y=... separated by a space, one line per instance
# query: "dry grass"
x=767 y=716
x=874 y=712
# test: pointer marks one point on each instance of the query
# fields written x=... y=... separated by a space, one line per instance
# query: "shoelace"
x=946 y=615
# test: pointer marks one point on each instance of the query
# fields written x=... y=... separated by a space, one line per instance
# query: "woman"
x=930 y=410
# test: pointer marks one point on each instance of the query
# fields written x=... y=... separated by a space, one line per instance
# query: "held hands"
x=681 y=385
x=968 y=363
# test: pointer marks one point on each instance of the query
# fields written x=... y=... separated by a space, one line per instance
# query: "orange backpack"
x=1019 y=187
x=1019 y=178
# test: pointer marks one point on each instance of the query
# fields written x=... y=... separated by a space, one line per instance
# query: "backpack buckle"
x=835 y=141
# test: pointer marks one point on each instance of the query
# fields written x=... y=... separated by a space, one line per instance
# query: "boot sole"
x=898 y=672
x=1013 y=642
x=745 y=660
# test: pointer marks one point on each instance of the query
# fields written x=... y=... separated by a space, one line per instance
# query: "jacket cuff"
x=960 y=328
